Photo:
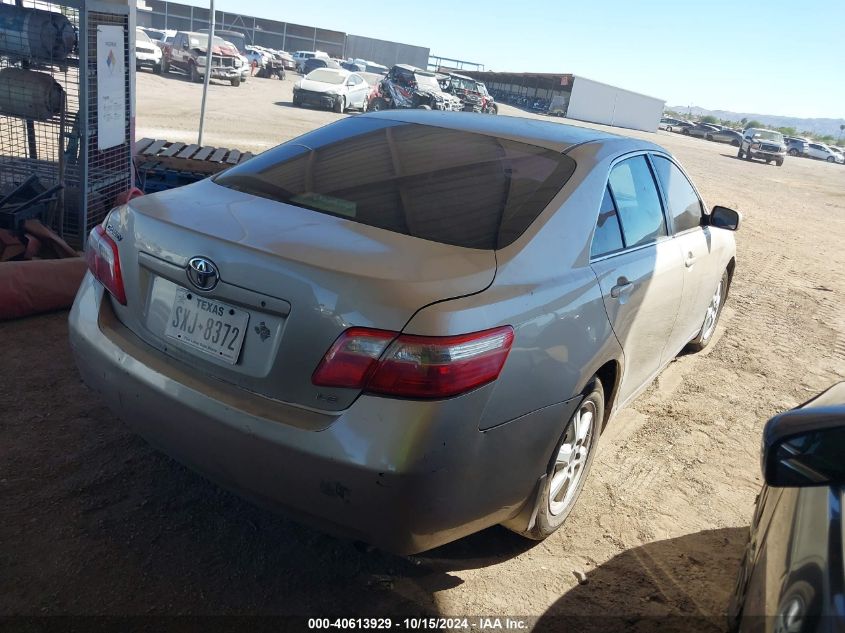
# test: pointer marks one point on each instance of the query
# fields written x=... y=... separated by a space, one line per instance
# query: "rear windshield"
x=433 y=183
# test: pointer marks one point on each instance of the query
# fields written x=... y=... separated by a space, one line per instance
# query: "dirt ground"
x=96 y=522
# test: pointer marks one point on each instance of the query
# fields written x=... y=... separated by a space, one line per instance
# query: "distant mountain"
x=820 y=127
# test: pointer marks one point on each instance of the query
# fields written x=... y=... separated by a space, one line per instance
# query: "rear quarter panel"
x=546 y=290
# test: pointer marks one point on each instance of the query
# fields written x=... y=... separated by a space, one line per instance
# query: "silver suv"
x=766 y=145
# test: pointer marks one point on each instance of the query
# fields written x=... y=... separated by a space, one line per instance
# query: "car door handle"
x=690 y=260
x=622 y=286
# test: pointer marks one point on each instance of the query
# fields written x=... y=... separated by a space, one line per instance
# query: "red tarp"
x=39 y=285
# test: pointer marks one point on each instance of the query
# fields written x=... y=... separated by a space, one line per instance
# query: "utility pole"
x=208 y=57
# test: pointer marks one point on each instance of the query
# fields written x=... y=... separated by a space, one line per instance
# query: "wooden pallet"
x=152 y=153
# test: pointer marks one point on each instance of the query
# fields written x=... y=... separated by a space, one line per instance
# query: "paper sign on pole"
x=111 y=87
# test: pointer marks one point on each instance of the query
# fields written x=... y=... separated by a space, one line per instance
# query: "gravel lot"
x=96 y=522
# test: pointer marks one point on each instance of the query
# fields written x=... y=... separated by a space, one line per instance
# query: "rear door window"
x=684 y=203
x=608 y=235
x=637 y=201
x=439 y=184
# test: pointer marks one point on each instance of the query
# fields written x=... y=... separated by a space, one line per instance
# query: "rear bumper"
x=404 y=475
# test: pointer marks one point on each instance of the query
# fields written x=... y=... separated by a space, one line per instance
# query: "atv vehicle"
x=464 y=88
x=410 y=87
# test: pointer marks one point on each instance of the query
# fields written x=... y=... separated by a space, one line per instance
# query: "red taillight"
x=104 y=262
x=352 y=358
x=414 y=366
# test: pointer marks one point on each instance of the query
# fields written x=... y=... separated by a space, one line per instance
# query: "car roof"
x=548 y=134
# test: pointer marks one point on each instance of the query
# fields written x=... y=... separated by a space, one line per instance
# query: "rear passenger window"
x=608 y=236
x=637 y=201
x=684 y=204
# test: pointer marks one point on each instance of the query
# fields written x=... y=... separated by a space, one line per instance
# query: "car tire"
x=799 y=608
x=735 y=143
x=364 y=105
x=779 y=162
x=793 y=152
x=340 y=105
x=563 y=483
x=378 y=105
x=831 y=159
x=195 y=75
x=236 y=81
x=709 y=137
x=711 y=317
x=686 y=131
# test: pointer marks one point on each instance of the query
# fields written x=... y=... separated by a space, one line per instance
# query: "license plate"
x=207 y=326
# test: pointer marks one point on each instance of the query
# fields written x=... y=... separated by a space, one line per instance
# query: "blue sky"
x=784 y=57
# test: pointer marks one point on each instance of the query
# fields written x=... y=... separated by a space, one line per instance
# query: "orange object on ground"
x=40 y=285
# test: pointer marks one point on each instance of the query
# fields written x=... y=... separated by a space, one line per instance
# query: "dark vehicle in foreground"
x=188 y=54
x=767 y=145
x=409 y=87
x=377 y=325
x=792 y=570
x=725 y=135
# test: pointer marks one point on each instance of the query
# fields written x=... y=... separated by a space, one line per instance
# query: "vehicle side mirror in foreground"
x=724 y=218
x=804 y=447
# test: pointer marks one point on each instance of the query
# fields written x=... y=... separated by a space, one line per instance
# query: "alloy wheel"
x=712 y=316
x=571 y=459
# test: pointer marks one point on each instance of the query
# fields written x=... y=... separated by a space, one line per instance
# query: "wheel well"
x=731 y=267
x=609 y=376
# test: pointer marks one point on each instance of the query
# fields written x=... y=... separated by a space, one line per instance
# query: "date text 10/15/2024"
x=479 y=624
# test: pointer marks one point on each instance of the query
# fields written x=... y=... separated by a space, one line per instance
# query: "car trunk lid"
x=301 y=277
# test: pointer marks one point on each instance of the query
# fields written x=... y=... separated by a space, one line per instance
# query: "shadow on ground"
x=98 y=522
x=669 y=585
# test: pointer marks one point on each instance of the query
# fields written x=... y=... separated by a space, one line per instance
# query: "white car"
x=823 y=152
x=332 y=88
x=147 y=54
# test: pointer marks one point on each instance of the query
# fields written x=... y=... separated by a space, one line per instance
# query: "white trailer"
x=597 y=102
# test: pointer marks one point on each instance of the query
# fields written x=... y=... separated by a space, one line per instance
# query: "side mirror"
x=724 y=218
x=804 y=447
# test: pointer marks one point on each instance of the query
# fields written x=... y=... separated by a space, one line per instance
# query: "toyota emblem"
x=203 y=273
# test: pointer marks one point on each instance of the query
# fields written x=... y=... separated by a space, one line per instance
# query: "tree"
x=788 y=131
x=744 y=120
x=752 y=123
x=709 y=119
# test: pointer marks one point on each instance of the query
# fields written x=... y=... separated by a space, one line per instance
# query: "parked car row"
x=793 y=145
x=404 y=86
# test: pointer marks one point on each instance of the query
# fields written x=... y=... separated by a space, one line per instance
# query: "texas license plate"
x=211 y=327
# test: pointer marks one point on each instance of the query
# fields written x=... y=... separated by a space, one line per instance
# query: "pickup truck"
x=187 y=53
